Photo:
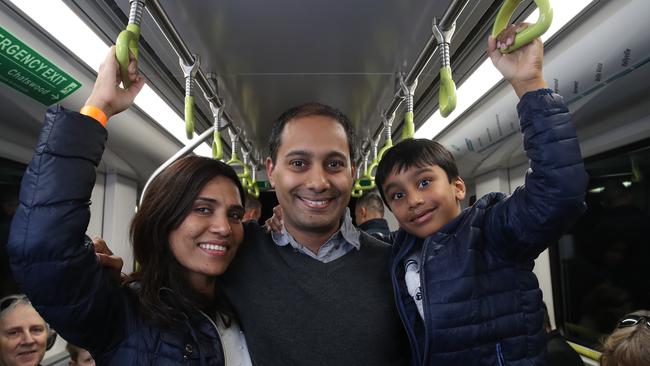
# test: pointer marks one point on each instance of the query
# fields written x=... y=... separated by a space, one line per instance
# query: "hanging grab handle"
x=447 y=92
x=531 y=32
x=127 y=41
x=408 y=91
x=189 y=71
x=234 y=161
x=217 y=145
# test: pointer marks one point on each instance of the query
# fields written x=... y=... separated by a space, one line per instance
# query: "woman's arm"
x=52 y=259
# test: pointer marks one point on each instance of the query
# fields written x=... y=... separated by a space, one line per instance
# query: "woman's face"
x=23 y=336
x=207 y=239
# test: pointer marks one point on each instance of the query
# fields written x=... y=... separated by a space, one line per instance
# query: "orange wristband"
x=94 y=112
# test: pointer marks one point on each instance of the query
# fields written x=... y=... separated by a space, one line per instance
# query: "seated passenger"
x=23 y=333
x=558 y=351
x=629 y=344
x=464 y=284
x=185 y=234
x=369 y=216
x=79 y=356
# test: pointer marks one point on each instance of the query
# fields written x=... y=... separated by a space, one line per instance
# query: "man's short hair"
x=306 y=110
x=372 y=202
x=414 y=153
x=252 y=202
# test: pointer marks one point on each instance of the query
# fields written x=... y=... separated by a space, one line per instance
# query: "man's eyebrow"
x=337 y=154
x=299 y=153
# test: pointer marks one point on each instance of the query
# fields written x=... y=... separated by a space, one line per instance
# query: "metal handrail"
x=447 y=22
x=159 y=15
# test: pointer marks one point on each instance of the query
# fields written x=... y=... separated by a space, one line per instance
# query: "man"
x=369 y=216
x=23 y=333
x=318 y=293
x=252 y=209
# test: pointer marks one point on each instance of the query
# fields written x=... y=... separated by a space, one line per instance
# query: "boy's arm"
x=552 y=197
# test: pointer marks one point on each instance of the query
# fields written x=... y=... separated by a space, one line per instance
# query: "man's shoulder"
x=369 y=242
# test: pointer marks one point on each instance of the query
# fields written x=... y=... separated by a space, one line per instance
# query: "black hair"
x=165 y=205
x=414 y=153
x=372 y=202
x=306 y=110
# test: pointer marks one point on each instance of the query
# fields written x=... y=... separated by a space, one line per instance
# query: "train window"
x=11 y=173
x=600 y=270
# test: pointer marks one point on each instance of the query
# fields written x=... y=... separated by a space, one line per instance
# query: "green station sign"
x=29 y=72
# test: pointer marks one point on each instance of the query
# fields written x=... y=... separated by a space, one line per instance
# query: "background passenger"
x=253 y=208
x=23 y=333
x=79 y=356
x=369 y=216
x=629 y=344
x=558 y=351
x=185 y=234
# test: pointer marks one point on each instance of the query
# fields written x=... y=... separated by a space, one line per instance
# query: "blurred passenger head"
x=253 y=208
x=79 y=356
x=23 y=333
x=187 y=229
x=368 y=207
x=629 y=343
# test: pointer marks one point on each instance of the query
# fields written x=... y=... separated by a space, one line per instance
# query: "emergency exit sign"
x=27 y=71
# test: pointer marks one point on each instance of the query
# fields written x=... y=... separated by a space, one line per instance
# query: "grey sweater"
x=295 y=310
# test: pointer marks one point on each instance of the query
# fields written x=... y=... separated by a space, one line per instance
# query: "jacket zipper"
x=223 y=349
x=402 y=310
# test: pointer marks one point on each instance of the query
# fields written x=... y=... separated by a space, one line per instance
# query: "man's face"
x=312 y=175
x=422 y=198
x=23 y=336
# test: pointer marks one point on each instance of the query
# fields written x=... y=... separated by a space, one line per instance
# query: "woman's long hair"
x=166 y=203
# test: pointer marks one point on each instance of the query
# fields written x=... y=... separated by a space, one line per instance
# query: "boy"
x=475 y=300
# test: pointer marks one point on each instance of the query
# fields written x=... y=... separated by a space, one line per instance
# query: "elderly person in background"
x=23 y=333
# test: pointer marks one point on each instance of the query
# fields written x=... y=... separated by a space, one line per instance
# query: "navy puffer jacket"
x=482 y=302
x=55 y=264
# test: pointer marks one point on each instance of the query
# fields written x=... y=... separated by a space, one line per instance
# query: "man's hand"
x=107 y=94
x=523 y=67
x=107 y=260
x=274 y=223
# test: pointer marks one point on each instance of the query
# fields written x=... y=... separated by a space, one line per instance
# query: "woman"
x=629 y=344
x=184 y=235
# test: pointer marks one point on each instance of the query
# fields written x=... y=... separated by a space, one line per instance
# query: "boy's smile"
x=422 y=198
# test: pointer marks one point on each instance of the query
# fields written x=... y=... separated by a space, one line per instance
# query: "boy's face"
x=422 y=198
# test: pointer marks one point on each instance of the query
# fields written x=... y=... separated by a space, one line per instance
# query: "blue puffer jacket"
x=55 y=262
x=482 y=302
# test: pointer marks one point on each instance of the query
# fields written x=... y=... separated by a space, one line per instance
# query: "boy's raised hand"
x=523 y=67
x=107 y=94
